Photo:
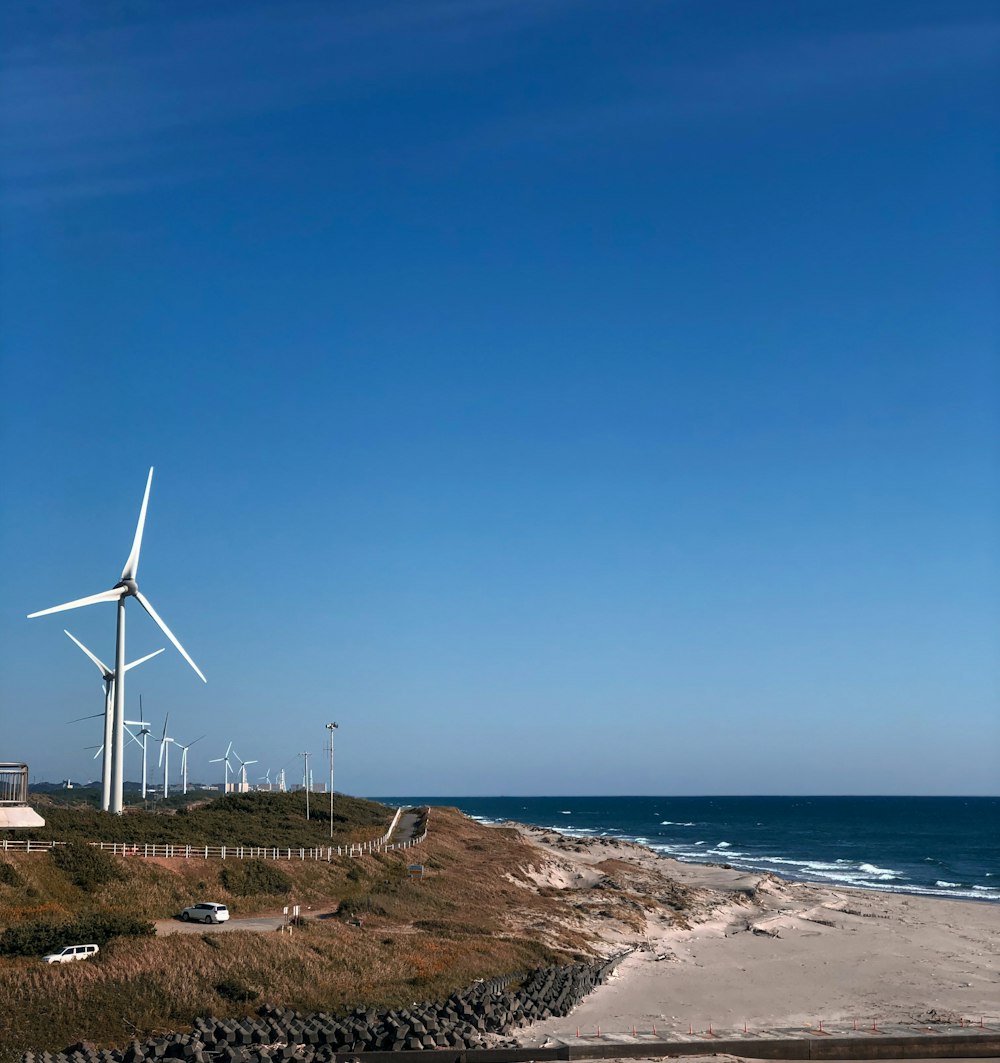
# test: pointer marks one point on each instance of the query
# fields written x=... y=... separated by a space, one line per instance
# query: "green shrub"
x=35 y=937
x=85 y=865
x=235 y=991
x=363 y=905
x=248 y=877
x=9 y=875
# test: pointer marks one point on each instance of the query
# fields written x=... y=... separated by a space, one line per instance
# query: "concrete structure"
x=14 y=809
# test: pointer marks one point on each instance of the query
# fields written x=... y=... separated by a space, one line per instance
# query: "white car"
x=71 y=953
x=206 y=913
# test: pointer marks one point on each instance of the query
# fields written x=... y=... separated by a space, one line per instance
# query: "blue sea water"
x=935 y=846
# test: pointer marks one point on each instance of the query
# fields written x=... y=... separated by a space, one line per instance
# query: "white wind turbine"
x=266 y=780
x=100 y=749
x=144 y=733
x=126 y=587
x=244 y=786
x=109 y=683
x=164 y=761
x=184 y=763
x=229 y=767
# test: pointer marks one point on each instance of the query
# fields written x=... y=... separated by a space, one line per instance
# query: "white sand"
x=771 y=953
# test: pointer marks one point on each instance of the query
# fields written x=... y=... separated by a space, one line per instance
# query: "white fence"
x=232 y=852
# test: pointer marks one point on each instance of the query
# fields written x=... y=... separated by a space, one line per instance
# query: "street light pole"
x=305 y=779
x=331 y=727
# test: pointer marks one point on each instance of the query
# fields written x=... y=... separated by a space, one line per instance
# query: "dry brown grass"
x=474 y=914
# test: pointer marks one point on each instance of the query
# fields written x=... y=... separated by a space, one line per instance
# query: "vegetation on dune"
x=245 y=878
x=473 y=914
x=36 y=937
x=86 y=867
x=258 y=818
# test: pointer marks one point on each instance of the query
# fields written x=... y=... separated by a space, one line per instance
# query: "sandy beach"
x=757 y=950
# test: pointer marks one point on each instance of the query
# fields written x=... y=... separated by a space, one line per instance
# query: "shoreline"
x=758 y=949
x=576 y=834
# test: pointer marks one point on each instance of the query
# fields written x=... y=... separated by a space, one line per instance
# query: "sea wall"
x=464 y=1021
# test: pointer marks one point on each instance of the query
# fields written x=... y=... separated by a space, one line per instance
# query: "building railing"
x=231 y=852
x=13 y=783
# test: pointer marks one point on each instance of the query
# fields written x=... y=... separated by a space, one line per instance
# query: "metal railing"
x=231 y=852
x=13 y=783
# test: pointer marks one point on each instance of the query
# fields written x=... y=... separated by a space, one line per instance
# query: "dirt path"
x=265 y=922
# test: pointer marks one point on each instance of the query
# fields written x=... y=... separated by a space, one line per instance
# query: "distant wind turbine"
x=184 y=763
x=126 y=587
x=144 y=733
x=244 y=786
x=165 y=740
x=109 y=682
x=229 y=767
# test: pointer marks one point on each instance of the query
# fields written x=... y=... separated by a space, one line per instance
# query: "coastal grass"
x=258 y=818
x=377 y=936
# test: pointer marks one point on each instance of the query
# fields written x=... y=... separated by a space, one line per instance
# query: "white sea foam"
x=881 y=873
x=947 y=885
x=813 y=865
x=723 y=845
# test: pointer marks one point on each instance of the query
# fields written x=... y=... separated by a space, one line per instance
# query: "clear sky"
x=565 y=397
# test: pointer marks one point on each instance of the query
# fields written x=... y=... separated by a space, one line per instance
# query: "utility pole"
x=305 y=779
x=331 y=727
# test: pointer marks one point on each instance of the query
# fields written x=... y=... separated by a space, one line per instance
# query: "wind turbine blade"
x=144 y=602
x=105 y=670
x=249 y=762
x=105 y=596
x=100 y=750
x=163 y=746
x=132 y=564
x=190 y=744
x=81 y=718
x=218 y=760
x=228 y=751
x=142 y=660
x=165 y=718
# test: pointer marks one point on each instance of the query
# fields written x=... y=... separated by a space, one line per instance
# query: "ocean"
x=933 y=846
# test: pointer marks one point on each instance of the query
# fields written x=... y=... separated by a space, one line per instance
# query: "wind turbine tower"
x=165 y=741
x=126 y=587
x=109 y=683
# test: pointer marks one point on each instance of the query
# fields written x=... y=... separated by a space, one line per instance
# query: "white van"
x=206 y=912
x=71 y=953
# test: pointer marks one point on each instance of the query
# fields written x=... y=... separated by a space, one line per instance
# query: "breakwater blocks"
x=468 y=1019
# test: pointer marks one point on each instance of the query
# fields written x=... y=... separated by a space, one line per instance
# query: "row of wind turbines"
x=113 y=748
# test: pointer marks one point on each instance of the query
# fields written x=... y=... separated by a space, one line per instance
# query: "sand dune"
x=755 y=949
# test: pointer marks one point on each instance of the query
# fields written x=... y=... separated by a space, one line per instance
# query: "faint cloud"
x=79 y=100
x=799 y=72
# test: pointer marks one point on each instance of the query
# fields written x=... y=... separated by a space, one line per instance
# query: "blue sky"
x=563 y=397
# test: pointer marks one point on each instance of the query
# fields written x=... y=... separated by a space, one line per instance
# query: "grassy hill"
x=470 y=917
x=258 y=818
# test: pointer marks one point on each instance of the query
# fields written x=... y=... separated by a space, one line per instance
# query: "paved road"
x=405 y=830
x=263 y=923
